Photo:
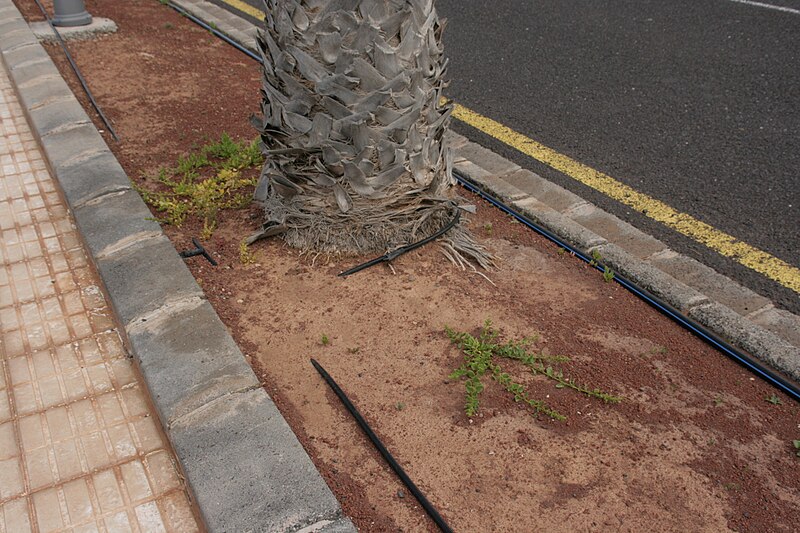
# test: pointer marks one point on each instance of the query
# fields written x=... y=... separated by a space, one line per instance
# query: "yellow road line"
x=245 y=8
x=685 y=224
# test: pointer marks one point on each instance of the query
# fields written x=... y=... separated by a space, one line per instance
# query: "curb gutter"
x=245 y=468
x=745 y=319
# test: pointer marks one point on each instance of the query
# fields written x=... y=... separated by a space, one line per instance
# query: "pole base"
x=70 y=13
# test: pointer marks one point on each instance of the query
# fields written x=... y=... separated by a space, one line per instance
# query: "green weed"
x=325 y=340
x=774 y=400
x=596 y=258
x=562 y=251
x=480 y=354
x=204 y=182
x=399 y=406
x=488 y=228
x=718 y=401
x=608 y=274
x=246 y=256
x=796 y=444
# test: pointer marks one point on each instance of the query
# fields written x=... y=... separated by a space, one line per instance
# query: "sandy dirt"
x=694 y=445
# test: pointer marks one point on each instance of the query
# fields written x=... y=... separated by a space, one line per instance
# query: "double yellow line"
x=685 y=224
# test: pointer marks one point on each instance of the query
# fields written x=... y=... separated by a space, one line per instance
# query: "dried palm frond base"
x=310 y=225
x=353 y=127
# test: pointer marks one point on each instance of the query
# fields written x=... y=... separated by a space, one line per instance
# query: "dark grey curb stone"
x=228 y=440
x=245 y=468
x=768 y=335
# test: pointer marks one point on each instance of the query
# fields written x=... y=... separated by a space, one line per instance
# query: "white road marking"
x=768 y=6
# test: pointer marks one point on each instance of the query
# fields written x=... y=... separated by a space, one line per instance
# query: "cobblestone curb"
x=742 y=317
x=245 y=468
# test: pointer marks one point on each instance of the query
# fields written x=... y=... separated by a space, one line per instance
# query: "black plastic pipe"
x=430 y=509
x=75 y=69
x=701 y=331
x=215 y=31
x=391 y=256
x=698 y=329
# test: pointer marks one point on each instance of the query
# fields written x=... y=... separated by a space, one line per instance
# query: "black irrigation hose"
x=742 y=358
x=704 y=333
x=215 y=31
x=94 y=103
x=405 y=249
x=430 y=509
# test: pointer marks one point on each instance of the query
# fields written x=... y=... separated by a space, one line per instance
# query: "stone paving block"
x=56 y=114
x=112 y=220
x=15 y=37
x=72 y=147
x=615 y=230
x=550 y=219
x=496 y=186
x=545 y=191
x=144 y=277
x=96 y=176
x=754 y=339
x=783 y=323
x=9 y=24
x=455 y=140
x=24 y=55
x=30 y=70
x=678 y=295
x=43 y=88
x=711 y=283
x=188 y=359
x=247 y=469
x=486 y=159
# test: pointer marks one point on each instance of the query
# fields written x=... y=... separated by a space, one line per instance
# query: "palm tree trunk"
x=353 y=126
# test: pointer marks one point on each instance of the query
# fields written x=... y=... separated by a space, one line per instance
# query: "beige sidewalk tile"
x=80 y=446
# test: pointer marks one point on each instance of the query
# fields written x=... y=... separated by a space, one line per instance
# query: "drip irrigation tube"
x=82 y=81
x=739 y=356
x=430 y=509
x=215 y=31
x=701 y=331
x=400 y=251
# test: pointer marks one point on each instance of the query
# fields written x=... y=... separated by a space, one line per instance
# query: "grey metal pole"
x=70 y=13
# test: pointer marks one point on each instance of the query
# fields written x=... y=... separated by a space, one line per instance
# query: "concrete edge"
x=735 y=313
x=244 y=467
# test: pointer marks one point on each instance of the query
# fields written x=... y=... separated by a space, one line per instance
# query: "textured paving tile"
x=80 y=447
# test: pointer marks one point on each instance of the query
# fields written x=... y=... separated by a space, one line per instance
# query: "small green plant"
x=596 y=258
x=732 y=486
x=608 y=274
x=354 y=350
x=246 y=255
x=774 y=400
x=204 y=182
x=488 y=228
x=325 y=340
x=399 y=406
x=562 y=251
x=796 y=444
x=480 y=353
x=718 y=401
x=168 y=26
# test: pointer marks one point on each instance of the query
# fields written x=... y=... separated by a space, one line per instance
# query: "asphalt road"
x=693 y=102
